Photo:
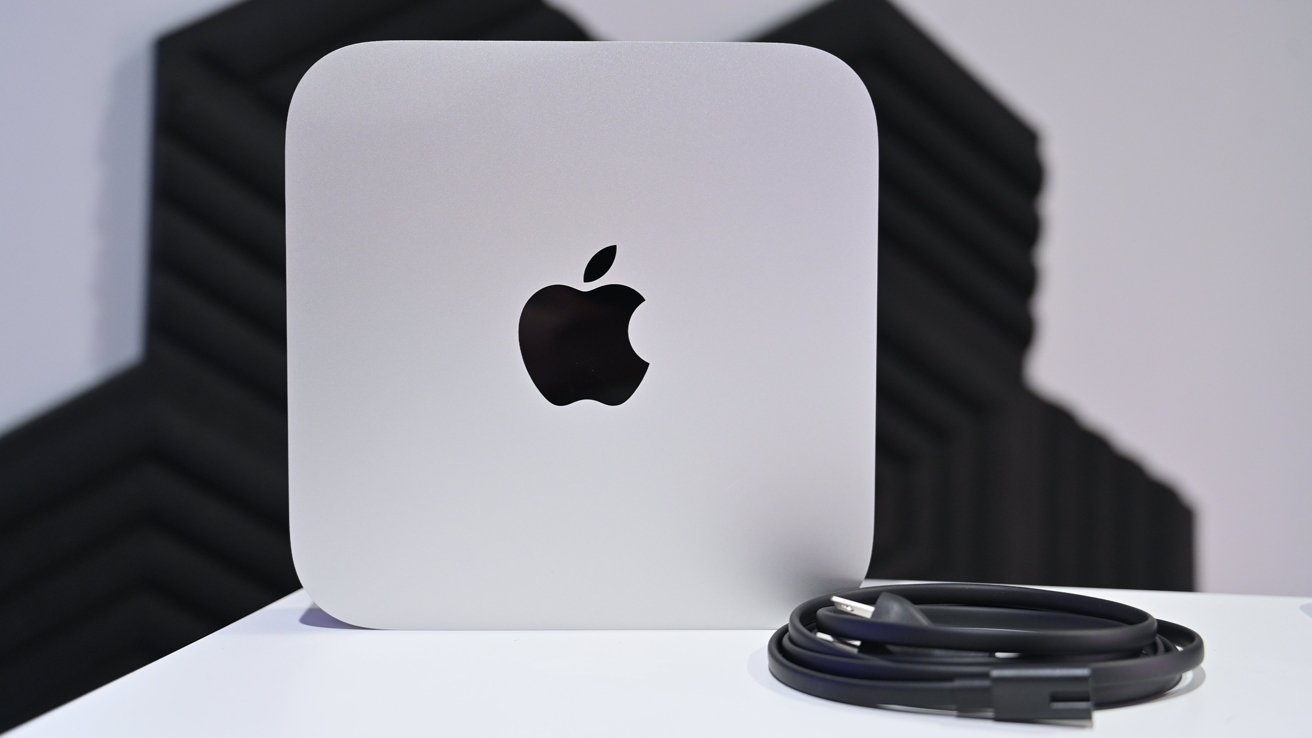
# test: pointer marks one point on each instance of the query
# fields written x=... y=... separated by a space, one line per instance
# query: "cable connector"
x=846 y=644
x=852 y=607
x=1023 y=695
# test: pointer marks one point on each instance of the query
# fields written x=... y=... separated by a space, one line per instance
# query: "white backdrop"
x=1173 y=310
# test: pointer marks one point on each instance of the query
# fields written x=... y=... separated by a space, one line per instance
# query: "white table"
x=291 y=670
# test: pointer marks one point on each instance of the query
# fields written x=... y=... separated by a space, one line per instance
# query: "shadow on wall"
x=121 y=215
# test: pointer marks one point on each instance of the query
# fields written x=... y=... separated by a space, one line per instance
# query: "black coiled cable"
x=1025 y=654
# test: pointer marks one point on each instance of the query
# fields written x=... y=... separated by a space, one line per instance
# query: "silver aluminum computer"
x=580 y=335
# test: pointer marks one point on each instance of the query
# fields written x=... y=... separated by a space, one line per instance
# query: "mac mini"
x=580 y=335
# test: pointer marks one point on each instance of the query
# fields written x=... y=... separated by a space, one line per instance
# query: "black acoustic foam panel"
x=152 y=510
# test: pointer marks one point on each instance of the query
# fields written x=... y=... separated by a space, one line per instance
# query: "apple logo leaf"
x=599 y=264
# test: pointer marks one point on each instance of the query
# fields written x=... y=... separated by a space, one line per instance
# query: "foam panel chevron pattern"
x=152 y=510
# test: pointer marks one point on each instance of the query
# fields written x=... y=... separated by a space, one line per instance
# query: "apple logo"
x=575 y=344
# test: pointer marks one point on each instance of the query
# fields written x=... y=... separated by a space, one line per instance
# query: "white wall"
x=75 y=93
x=1172 y=311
